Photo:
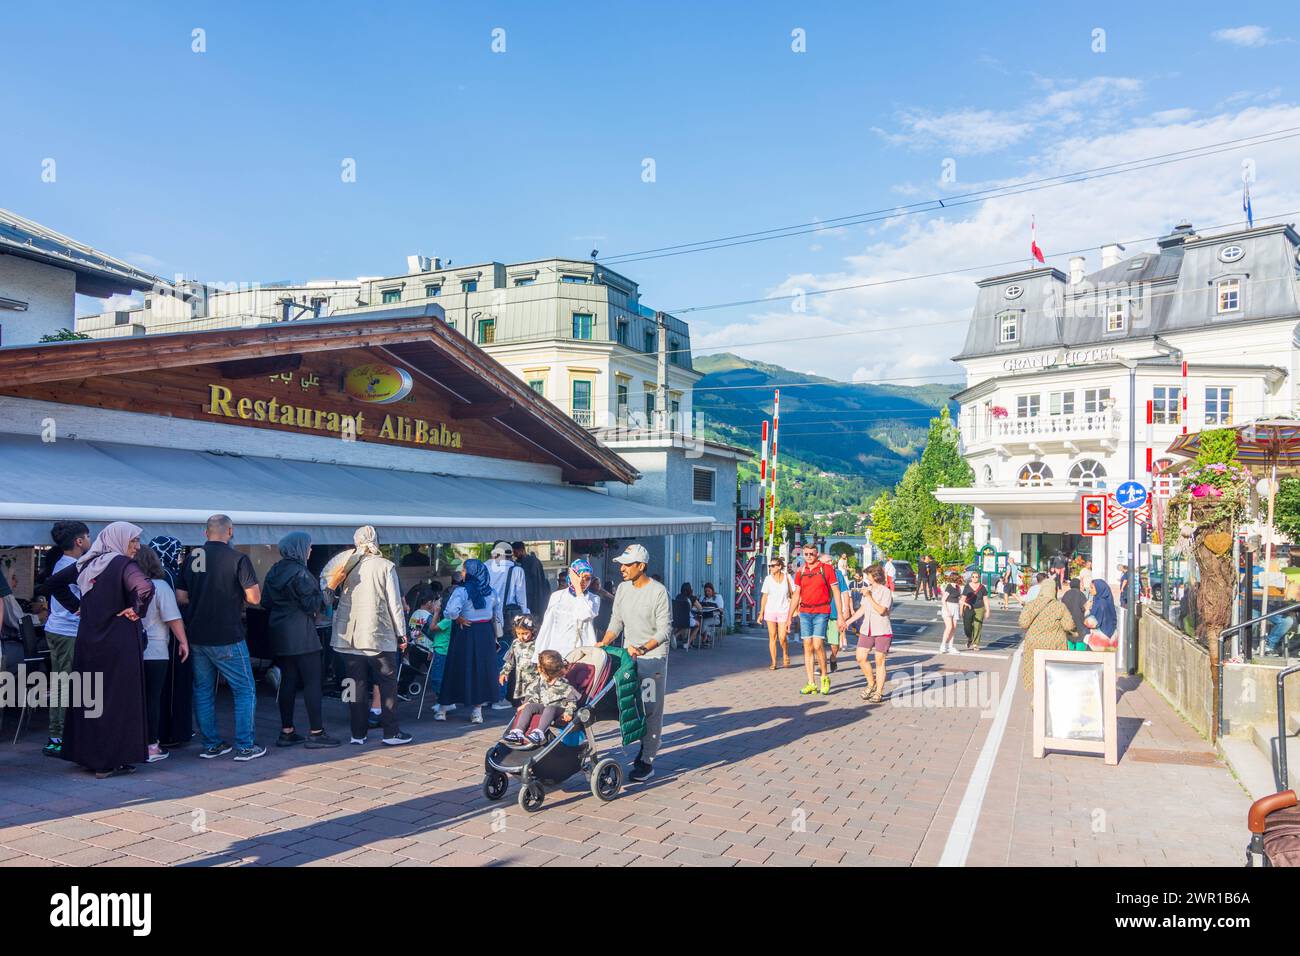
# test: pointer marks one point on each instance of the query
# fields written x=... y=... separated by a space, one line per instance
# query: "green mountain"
x=840 y=443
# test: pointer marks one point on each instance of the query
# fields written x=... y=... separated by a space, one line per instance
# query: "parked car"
x=904 y=576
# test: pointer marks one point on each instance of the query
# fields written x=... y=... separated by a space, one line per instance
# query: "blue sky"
x=225 y=165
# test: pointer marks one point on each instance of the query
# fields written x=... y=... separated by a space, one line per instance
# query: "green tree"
x=883 y=533
x=63 y=335
x=919 y=522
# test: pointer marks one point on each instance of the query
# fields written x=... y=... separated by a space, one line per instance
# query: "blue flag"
x=1245 y=206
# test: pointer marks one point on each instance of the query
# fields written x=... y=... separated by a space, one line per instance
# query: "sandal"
x=875 y=697
x=787 y=662
x=771 y=667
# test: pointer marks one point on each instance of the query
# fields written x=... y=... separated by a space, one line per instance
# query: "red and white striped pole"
x=1184 y=397
x=776 y=432
x=762 y=481
x=1151 y=417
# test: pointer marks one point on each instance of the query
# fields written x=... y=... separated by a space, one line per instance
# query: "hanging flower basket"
x=997 y=411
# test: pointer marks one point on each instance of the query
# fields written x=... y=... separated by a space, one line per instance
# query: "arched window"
x=1034 y=474
x=1088 y=473
x=988 y=474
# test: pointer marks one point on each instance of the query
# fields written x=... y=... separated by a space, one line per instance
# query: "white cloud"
x=1250 y=35
x=908 y=331
x=963 y=132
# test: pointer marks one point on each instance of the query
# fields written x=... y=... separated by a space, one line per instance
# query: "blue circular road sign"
x=1131 y=495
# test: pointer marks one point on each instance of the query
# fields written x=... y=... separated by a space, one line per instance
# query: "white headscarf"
x=111 y=542
x=367 y=540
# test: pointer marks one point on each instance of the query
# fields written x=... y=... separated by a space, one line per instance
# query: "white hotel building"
x=1054 y=362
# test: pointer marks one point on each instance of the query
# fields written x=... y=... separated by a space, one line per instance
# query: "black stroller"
x=570 y=749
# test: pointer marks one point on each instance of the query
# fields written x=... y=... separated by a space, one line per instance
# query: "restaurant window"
x=1060 y=403
x=582 y=325
x=1116 y=316
x=487 y=331
x=1028 y=406
x=538 y=385
x=432 y=290
x=1008 y=327
x=702 y=482
x=1088 y=473
x=1229 y=295
x=1034 y=474
x=1218 y=405
x=392 y=295
x=469 y=285
x=1095 y=399
x=1165 y=405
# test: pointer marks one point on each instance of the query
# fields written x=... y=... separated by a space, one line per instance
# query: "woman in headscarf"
x=370 y=634
x=292 y=597
x=470 y=676
x=176 y=716
x=106 y=731
x=1047 y=625
x=570 y=616
x=1102 y=607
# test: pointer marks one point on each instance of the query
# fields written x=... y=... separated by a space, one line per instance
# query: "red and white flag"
x=1033 y=241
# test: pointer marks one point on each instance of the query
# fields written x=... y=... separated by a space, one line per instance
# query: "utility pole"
x=1130 y=619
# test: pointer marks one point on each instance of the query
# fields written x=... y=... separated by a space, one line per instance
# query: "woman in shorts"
x=774 y=609
x=951 y=612
x=875 y=633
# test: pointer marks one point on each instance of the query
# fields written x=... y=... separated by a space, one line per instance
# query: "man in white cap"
x=643 y=615
x=509 y=585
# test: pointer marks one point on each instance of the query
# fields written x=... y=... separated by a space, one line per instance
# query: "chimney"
x=1111 y=254
x=417 y=263
x=1076 y=270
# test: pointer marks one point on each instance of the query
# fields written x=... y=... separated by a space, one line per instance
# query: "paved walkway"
x=751 y=773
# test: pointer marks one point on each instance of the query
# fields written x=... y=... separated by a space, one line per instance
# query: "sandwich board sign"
x=1074 y=703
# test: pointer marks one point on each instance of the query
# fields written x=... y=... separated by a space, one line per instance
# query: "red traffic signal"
x=1094 y=515
x=746 y=534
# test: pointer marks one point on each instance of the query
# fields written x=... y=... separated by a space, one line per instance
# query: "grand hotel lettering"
x=224 y=403
x=1063 y=358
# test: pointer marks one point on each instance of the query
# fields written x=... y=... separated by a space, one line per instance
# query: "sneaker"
x=216 y=750
x=321 y=741
x=54 y=748
x=156 y=753
x=809 y=689
x=641 y=772
x=439 y=713
x=358 y=741
x=250 y=753
x=536 y=737
x=288 y=740
x=826 y=685
x=476 y=715
x=399 y=738
x=503 y=705
x=514 y=737
x=372 y=720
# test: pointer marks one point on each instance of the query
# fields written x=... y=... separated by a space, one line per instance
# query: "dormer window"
x=1116 y=316
x=1008 y=328
x=1136 y=264
x=1229 y=293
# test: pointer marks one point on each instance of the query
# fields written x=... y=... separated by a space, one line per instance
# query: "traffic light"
x=746 y=534
x=1094 y=515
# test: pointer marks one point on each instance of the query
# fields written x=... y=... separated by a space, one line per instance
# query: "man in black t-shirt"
x=215 y=583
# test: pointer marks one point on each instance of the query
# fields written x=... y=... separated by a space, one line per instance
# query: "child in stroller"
x=596 y=678
x=549 y=697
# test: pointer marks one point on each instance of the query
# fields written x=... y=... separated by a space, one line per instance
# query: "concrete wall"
x=1178 y=667
x=50 y=294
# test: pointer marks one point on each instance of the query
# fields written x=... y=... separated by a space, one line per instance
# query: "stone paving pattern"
x=751 y=774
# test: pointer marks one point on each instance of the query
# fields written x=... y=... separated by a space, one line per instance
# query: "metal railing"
x=1217 y=724
x=1281 y=724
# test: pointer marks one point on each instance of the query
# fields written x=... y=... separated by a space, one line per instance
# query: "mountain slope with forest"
x=841 y=443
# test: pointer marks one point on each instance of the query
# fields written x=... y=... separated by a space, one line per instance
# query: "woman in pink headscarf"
x=106 y=729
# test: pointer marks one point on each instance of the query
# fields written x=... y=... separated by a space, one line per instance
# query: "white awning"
x=1016 y=500
x=173 y=491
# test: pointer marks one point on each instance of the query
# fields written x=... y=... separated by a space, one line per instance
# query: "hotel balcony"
x=1042 y=433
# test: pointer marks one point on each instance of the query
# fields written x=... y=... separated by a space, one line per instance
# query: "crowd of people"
x=159 y=627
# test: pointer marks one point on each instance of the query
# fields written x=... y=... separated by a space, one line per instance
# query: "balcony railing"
x=1075 y=427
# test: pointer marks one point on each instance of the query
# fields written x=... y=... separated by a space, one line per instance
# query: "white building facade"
x=1060 y=369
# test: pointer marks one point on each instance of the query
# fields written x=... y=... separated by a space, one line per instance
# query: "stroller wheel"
x=413 y=688
x=531 y=796
x=495 y=785
x=606 y=779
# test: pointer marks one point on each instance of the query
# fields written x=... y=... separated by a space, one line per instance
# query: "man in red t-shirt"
x=815 y=587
